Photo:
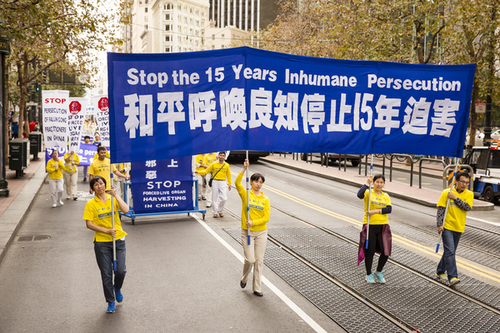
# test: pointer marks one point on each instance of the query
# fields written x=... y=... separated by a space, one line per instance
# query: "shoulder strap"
x=219 y=170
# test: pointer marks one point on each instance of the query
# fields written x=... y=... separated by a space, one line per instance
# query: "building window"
x=168 y=27
x=146 y=10
x=222 y=36
x=213 y=37
x=167 y=38
x=167 y=17
x=145 y=27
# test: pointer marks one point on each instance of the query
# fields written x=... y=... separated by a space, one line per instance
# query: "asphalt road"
x=180 y=277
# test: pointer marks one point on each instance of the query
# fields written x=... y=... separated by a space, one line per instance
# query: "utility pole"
x=4 y=50
x=487 y=123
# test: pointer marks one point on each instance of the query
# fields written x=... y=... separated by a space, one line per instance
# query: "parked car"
x=485 y=161
x=253 y=155
x=333 y=157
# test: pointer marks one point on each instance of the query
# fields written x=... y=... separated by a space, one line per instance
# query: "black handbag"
x=212 y=178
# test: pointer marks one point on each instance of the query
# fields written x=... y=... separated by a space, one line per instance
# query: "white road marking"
x=481 y=220
x=315 y=326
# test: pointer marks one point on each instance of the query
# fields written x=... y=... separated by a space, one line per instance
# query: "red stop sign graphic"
x=103 y=104
x=75 y=107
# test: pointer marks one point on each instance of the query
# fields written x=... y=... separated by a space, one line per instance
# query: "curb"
x=14 y=217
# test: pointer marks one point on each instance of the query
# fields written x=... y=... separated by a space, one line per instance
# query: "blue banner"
x=162 y=185
x=182 y=104
x=86 y=153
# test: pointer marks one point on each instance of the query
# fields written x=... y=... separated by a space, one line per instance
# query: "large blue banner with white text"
x=162 y=185
x=180 y=104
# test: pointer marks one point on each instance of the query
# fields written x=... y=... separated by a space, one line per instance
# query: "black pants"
x=375 y=243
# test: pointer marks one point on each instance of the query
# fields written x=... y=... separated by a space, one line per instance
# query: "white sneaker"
x=68 y=197
x=209 y=205
x=61 y=203
x=54 y=205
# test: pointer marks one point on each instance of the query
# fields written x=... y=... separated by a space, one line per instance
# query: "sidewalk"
x=22 y=192
x=410 y=193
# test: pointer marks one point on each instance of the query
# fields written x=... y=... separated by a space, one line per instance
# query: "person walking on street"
x=102 y=167
x=454 y=224
x=221 y=175
x=259 y=214
x=86 y=167
x=207 y=160
x=202 y=184
x=380 y=236
x=70 y=174
x=97 y=216
x=55 y=168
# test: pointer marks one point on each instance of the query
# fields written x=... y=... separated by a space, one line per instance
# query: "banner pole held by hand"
x=368 y=207
x=113 y=222
x=248 y=200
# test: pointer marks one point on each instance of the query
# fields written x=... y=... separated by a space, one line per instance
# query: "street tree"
x=44 y=33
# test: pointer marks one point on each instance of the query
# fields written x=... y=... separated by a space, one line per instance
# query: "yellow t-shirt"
x=198 y=159
x=100 y=213
x=209 y=158
x=223 y=174
x=260 y=207
x=51 y=168
x=455 y=217
x=96 y=155
x=68 y=167
x=102 y=168
x=377 y=201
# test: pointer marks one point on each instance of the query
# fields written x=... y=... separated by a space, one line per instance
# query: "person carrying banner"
x=86 y=167
x=454 y=224
x=55 y=168
x=259 y=214
x=97 y=216
x=221 y=175
x=207 y=160
x=70 y=174
x=380 y=236
x=202 y=185
x=97 y=140
x=102 y=167
x=119 y=182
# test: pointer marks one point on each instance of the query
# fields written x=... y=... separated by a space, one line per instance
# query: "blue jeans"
x=104 y=255
x=448 y=262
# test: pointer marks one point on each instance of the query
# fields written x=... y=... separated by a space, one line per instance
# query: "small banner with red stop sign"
x=76 y=118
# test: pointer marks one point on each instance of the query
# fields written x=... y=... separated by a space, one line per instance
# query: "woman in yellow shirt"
x=259 y=213
x=55 y=168
x=70 y=174
x=380 y=237
x=97 y=216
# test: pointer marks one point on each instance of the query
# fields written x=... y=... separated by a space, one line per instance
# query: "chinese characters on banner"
x=76 y=118
x=242 y=98
x=55 y=117
x=162 y=185
x=101 y=106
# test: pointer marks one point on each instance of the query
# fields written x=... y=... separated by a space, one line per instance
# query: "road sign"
x=480 y=107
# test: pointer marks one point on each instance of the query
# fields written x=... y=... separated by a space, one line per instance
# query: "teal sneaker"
x=370 y=279
x=111 y=307
x=441 y=277
x=454 y=281
x=118 y=295
x=379 y=276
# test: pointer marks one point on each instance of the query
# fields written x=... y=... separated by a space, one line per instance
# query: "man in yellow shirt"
x=55 y=167
x=70 y=174
x=207 y=160
x=102 y=167
x=221 y=175
x=454 y=224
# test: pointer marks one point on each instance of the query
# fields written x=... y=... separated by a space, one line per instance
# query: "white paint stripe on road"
x=481 y=220
x=315 y=326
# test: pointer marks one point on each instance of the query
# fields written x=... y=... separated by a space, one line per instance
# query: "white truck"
x=486 y=164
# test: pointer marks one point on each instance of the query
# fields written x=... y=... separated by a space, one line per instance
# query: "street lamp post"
x=4 y=50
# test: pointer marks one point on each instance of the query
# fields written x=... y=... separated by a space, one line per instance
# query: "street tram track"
x=398 y=264
x=383 y=313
